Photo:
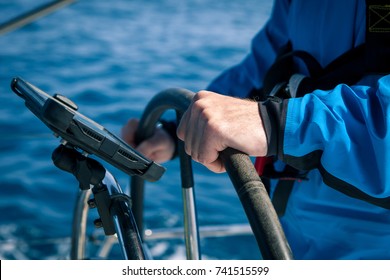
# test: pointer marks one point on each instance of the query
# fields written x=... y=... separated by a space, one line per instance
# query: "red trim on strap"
x=261 y=162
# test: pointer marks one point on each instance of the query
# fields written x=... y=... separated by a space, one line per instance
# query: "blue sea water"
x=111 y=57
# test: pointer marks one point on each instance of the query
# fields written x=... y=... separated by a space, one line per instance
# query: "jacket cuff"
x=273 y=114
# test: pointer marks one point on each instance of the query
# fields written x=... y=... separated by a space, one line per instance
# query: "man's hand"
x=214 y=122
x=160 y=147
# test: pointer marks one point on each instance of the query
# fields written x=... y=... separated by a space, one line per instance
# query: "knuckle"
x=204 y=114
x=202 y=93
x=202 y=159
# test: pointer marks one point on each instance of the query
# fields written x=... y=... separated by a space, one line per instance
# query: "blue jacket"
x=342 y=215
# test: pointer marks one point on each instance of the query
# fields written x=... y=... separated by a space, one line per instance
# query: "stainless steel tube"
x=79 y=227
x=191 y=231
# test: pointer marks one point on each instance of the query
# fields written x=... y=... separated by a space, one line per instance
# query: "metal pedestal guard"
x=79 y=225
x=251 y=191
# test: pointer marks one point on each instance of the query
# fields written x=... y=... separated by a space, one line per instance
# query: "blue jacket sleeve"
x=345 y=134
x=239 y=80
